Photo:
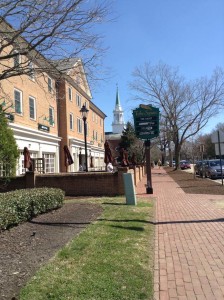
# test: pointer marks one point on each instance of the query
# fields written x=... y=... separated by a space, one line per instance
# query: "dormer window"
x=31 y=70
x=16 y=59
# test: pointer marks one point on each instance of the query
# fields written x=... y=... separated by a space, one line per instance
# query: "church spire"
x=118 y=123
x=117 y=98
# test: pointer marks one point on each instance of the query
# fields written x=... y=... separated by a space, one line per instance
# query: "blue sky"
x=188 y=34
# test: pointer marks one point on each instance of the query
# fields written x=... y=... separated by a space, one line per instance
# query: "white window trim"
x=49 y=162
x=70 y=93
x=87 y=129
x=14 y=58
x=31 y=71
x=87 y=104
x=78 y=100
x=79 y=125
x=34 y=102
x=50 y=87
x=71 y=121
x=53 y=119
x=21 y=101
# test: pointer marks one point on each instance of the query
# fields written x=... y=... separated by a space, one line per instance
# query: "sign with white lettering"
x=146 y=121
x=43 y=127
x=9 y=116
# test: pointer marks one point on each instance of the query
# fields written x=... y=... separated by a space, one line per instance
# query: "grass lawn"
x=111 y=260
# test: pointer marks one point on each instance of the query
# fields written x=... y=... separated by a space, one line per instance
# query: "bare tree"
x=186 y=106
x=57 y=30
x=219 y=126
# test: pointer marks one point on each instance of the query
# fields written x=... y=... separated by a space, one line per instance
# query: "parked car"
x=184 y=164
x=213 y=169
x=168 y=163
x=198 y=167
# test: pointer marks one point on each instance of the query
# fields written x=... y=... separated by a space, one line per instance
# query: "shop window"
x=49 y=162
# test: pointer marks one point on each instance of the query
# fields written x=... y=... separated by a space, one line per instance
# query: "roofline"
x=96 y=108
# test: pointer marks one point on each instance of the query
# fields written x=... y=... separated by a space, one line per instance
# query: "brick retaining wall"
x=80 y=183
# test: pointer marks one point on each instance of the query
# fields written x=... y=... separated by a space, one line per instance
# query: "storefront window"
x=49 y=162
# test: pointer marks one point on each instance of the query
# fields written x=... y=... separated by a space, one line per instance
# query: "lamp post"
x=84 y=112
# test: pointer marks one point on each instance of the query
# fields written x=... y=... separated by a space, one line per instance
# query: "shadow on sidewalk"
x=166 y=222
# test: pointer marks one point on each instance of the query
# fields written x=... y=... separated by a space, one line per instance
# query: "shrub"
x=9 y=152
x=22 y=205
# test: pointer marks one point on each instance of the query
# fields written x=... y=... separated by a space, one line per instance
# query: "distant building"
x=118 y=123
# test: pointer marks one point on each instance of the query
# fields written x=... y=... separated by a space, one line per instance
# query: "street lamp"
x=84 y=111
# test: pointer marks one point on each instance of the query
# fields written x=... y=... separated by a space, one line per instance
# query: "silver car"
x=213 y=169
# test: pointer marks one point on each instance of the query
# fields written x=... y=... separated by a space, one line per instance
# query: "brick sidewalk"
x=189 y=242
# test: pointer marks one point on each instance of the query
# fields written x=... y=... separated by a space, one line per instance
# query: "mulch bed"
x=24 y=248
x=195 y=185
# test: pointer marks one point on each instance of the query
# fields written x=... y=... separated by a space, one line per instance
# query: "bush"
x=22 y=205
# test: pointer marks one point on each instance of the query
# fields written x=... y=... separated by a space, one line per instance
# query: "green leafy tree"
x=132 y=144
x=8 y=148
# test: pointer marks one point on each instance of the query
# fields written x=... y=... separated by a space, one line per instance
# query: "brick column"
x=121 y=170
x=30 y=178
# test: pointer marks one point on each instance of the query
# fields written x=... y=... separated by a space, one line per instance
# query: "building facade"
x=43 y=109
x=73 y=93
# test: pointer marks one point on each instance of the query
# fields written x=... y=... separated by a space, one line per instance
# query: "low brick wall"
x=79 y=184
x=15 y=183
x=84 y=184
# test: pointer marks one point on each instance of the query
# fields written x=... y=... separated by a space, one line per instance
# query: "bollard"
x=129 y=189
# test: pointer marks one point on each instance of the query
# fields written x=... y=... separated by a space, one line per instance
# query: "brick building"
x=43 y=108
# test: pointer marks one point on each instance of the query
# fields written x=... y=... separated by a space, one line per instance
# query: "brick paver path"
x=189 y=242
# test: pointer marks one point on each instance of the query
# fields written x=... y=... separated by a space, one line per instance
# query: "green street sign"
x=146 y=121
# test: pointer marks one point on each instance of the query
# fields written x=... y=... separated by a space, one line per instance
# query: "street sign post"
x=146 y=121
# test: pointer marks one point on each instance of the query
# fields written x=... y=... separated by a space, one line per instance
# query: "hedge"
x=22 y=205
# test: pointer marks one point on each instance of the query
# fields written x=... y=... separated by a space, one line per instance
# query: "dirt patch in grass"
x=196 y=185
x=23 y=249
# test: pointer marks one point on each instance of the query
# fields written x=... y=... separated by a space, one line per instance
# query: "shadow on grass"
x=135 y=228
x=167 y=222
x=65 y=224
x=114 y=203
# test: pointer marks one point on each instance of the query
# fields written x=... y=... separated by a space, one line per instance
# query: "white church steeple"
x=118 y=124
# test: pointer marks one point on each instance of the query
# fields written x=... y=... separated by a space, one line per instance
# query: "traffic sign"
x=146 y=121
